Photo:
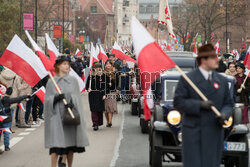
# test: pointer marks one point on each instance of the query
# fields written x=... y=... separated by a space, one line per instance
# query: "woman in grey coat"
x=63 y=140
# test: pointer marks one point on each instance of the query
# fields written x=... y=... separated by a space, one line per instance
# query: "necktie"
x=209 y=78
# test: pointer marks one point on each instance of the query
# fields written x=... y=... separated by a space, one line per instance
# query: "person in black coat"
x=202 y=130
x=96 y=90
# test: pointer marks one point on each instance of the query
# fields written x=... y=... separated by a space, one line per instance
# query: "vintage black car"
x=186 y=63
x=165 y=135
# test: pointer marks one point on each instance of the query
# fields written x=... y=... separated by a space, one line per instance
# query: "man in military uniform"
x=203 y=132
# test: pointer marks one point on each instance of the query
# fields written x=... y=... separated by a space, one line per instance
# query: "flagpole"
x=60 y=92
x=243 y=84
x=105 y=36
x=196 y=89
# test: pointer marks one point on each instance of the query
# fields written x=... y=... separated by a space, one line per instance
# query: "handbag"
x=68 y=120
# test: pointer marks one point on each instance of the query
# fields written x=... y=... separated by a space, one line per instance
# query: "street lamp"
x=227 y=44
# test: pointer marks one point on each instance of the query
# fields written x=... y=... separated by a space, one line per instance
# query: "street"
x=123 y=145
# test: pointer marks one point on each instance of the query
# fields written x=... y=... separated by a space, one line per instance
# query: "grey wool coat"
x=57 y=134
x=202 y=134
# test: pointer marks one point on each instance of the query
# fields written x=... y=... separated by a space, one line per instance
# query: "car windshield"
x=169 y=88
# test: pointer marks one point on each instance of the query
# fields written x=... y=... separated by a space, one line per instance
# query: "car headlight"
x=174 y=117
x=229 y=122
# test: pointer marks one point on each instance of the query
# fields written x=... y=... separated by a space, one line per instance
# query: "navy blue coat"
x=202 y=135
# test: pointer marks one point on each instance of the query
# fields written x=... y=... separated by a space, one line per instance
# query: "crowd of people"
x=25 y=110
x=230 y=65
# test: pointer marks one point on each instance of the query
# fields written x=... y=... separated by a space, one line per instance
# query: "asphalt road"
x=123 y=145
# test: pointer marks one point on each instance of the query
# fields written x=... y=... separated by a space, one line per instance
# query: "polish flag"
x=6 y=130
x=46 y=62
x=22 y=60
x=85 y=76
x=20 y=105
x=167 y=46
x=2 y=118
x=97 y=52
x=151 y=60
x=217 y=47
x=117 y=50
x=78 y=52
x=40 y=93
x=102 y=55
x=53 y=52
x=93 y=55
x=247 y=59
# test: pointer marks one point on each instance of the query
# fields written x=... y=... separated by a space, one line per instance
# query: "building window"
x=143 y=9
x=149 y=9
x=125 y=3
x=93 y=9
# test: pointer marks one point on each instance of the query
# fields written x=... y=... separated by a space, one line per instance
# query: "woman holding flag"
x=242 y=88
x=61 y=138
x=96 y=89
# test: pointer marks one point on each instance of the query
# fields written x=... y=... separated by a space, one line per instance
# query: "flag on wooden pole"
x=165 y=17
x=54 y=53
x=22 y=60
x=40 y=93
x=152 y=61
x=46 y=62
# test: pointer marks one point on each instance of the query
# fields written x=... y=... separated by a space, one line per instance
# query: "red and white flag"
x=167 y=46
x=102 y=55
x=53 y=52
x=217 y=47
x=165 y=17
x=46 y=62
x=247 y=59
x=22 y=60
x=40 y=93
x=2 y=117
x=93 y=55
x=117 y=50
x=20 y=105
x=6 y=130
x=78 y=52
x=97 y=52
x=85 y=76
x=152 y=61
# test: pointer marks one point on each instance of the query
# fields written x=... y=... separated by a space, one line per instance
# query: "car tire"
x=155 y=157
x=144 y=125
x=134 y=109
x=158 y=114
x=237 y=116
x=243 y=160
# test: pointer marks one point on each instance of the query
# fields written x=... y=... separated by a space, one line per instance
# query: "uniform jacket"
x=57 y=134
x=125 y=79
x=96 y=103
x=202 y=135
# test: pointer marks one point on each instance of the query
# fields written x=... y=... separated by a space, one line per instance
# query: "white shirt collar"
x=205 y=73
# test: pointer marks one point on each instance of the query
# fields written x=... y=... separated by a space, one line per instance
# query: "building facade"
x=124 y=10
x=96 y=20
